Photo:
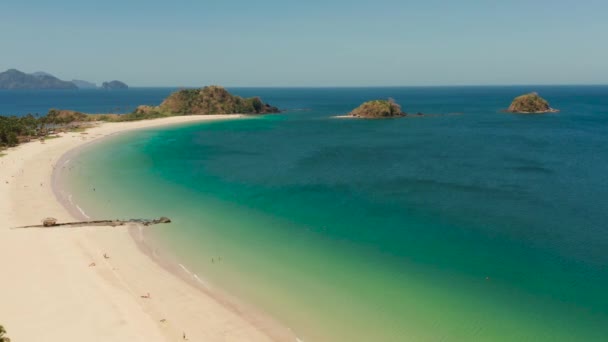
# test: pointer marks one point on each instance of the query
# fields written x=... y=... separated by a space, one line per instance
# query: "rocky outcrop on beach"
x=15 y=79
x=378 y=109
x=530 y=104
x=112 y=85
x=208 y=100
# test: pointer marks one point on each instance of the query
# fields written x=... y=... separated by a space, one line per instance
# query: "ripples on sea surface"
x=479 y=225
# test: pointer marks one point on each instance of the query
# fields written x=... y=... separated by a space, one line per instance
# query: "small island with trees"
x=207 y=101
x=377 y=109
x=530 y=103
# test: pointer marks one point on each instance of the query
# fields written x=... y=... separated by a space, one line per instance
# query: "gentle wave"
x=185 y=269
x=194 y=276
x=82 y=212
x=201 y=281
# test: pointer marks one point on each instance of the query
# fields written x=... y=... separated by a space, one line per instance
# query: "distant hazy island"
x=84 y=84
x=15 y=79
x=114 y=85
x=530 y=103
x=377 y=109
x=207 y=100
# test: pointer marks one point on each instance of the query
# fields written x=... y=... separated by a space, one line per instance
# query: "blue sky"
x=309 y=43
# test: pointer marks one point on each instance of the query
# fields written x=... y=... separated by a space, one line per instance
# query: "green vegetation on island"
x=14 y=130
x=378 y=109
x=530 y=103
x=18 y=129
x=62 y=117
x=207 y=101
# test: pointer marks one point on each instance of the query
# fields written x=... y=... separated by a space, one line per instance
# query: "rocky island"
x=114 y=85
x=530 y=104
x=15 y=79
x=208 y=100
x=377 y=109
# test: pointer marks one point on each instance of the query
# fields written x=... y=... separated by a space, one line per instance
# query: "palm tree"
x=2 y=337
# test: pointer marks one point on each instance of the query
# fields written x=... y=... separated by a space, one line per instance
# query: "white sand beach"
x=49 y=291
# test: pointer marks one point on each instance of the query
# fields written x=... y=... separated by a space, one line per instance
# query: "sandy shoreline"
x=50 y=292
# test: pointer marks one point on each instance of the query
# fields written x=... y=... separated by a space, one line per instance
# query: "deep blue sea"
x=467 y=224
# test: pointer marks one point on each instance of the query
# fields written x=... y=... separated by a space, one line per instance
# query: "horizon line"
x=335 y=86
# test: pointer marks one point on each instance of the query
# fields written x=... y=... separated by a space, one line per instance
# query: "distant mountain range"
x=42 y=73
x=15 y=79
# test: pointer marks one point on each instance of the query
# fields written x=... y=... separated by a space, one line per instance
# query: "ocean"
x=467 y=224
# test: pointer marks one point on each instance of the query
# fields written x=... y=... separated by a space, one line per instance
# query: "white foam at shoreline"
x=82 y=212
x=200 y=281
x=185 y=269
x=194 y=276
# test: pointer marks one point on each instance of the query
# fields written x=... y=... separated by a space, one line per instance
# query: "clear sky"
x=309 y=42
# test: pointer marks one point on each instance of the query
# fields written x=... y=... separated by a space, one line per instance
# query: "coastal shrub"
x=136 y=116
x=257 y=104
x=13 y=127
x=62 y=117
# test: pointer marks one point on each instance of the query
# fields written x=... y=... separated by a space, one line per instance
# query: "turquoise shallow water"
x=478 y=226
